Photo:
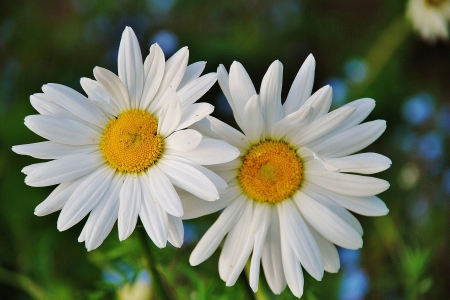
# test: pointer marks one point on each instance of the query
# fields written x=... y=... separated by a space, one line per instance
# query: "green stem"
x=382 y=50
x=149 y=261
x=243 y=278
x=22 y=282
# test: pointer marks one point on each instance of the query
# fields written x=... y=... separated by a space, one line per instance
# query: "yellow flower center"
x=130 y=142
x=271 y=172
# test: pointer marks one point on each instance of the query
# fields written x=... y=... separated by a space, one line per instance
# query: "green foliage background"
x=405 y=254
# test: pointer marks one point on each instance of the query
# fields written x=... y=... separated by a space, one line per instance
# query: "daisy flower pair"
x=138 y=146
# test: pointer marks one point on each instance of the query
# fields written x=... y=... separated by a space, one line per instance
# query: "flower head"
x=290 y=190
x=119 y=153
x=430 y=18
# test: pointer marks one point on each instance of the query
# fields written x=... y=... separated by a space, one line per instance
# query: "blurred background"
x=362 y=49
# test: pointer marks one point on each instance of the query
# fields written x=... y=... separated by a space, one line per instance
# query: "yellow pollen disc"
x=130 y=143
x=271 y=172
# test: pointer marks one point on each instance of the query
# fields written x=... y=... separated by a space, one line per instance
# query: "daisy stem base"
x=156 y=282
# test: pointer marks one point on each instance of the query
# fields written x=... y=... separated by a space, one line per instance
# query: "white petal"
x=261 y=222
x=220 y=184
x=367 y=206
x=174 y=72
x=99 y=96
x=212 y=238
x=313 y=162
x=103 y=215
x=347 y=184
x=58 y=198
x=154 y=67
x=253 y=120
x=193 y=71
x=45 y=106
x=195 y=207
x=169 y=115
x=291 y=265
x=228 y=175
x=153 y=216
x=176 y=231
x=335 y=208
x=52 y=150
x=163 y=191
x=327 y=223
x=209 y=152
x=301 y=87
x=115 y=88
x=189 y=179
x=236 y=249
x=61 y=130
x=241 y=87
x=63 y=169
x=271 y=256
x=85 y=197
x=76 y=103
x=301 y=239
x=231 y=135
x=270 y=94
x=130 y=66
x=229 y=166
x=195 y=89
x=298 y=119
x=351 y=140
x=321 y=126
x=363 y=163
x=328 y=250
x=194 y=113
x=363 y=108
x=129 y=206
x=320 y=101
x=204 y=127
x=183 y=140
x=223 y=79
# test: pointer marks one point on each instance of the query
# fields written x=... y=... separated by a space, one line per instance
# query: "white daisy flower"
x=119 y=153
x=289 y=191
x=430 y=18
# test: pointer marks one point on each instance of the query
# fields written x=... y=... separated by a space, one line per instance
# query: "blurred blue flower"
x=143 y=276
x=418 y=109
x=430 y=146
x=443 y=119
x=356 y=70
x=167 y=40
x=354 y=285
x=339 y=90
x=407 y=138
x=419 y=209
x=160 y=6
x=446 y=181
x=190 y=233
x=349 y=258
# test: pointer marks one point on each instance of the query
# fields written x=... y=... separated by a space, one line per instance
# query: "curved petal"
x=130 y=66
x=194 y=113
x=241 y=87
x=64 y=169
x=85 y=197
x=193 y=71
x=270 y=94
x=153 y=216
x=115 y=88
x=176 y=231
x=327 y=223
x=163 y=191
x=154 y=67
x=169 y=115
x=183 y=140
x=363 y=163
x=61 y=130
x=52 y=150
x=223 y=79
x=302 y=86
x=253 y=120
x=228 y=133
x=129 y=206
x=320 y=101
x=212 y=238
x=189 y=179
x=195 y=89
x=209 y=152
x=329 y=252
x=76 y=103
x=99 y=96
